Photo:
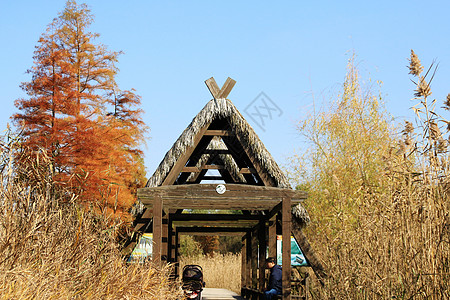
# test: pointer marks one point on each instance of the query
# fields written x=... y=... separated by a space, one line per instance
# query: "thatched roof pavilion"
x=246 y=179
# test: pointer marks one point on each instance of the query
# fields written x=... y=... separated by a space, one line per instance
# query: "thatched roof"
x=220 y=109
x=224 y=109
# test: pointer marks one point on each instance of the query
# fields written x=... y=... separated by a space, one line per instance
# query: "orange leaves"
x=77 y=114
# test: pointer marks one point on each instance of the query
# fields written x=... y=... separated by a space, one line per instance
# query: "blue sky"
x=293 y=51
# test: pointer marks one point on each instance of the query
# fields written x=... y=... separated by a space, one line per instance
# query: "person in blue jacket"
x=275 y=284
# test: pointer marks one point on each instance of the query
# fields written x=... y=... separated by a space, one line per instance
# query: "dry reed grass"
x=219 y=271
x=52 y=248
x=387 y=237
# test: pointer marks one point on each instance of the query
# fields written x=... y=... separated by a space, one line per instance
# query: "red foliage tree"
x=78 y=115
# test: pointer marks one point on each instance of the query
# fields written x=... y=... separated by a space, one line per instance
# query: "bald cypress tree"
x=77 y=114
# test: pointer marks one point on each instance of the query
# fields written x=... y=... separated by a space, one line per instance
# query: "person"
x=275 y=284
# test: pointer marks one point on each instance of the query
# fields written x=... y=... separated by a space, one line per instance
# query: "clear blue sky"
x=290 y=50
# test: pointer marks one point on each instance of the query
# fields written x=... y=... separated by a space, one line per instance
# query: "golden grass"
x=219 y=271
x=380 y=207
x=52 y=248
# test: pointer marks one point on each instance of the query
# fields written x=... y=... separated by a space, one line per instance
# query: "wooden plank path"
x=219 y=294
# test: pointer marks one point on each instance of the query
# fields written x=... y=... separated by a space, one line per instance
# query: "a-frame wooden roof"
x=219 y=138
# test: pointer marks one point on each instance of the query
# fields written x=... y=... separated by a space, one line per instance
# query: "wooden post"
x=262 y=253
x=157 y=229
x=286 y=251
x=272 y=238
x=165 y=238
x=248 y=259
x=177 y=245
x=170 y=241
x=244 y=262
x=254 y=258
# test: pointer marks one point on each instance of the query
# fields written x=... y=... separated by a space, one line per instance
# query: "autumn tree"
x=76 y=112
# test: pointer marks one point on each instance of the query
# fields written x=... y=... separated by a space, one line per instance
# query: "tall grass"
x=52 y=248
x=379 y=206
x=219 y=271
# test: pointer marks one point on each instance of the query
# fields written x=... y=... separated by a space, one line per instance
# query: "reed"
x=219 y=271
x=53 y=248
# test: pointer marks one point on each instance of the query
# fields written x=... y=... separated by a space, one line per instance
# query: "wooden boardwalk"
x=219 y=294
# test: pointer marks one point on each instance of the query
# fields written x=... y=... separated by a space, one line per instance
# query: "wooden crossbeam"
x=213 y=167
x=220 y=93
x=190 y=170
x=233 y=191
x=226 y=88
x=247 y=171
x=221 y=217
x=182 y=160
x=223 y=224
x=205 y=196
x=215 y=230
x=219 y=132
x=213 y=87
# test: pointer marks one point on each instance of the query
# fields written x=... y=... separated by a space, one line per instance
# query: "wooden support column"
x=248 y=260
x=254 y=258
x=177 y=247
x=170 y=242
x=157 y=229
x=262 y=253
x=165 y=238
x=244 y=262
x=273 y=238
x=286 y=232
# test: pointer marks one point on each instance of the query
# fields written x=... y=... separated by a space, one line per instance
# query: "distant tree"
x=230 y=244
x=208 y=244
x=79 y=116
x=349 y=140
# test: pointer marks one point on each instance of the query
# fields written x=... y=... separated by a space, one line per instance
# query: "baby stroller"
x=192 y=282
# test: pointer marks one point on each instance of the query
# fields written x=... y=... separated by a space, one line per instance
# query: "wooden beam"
x=241 y=157
x=205 y=196
x=254 y=259
x=201 y=191
x=247 y=171
x=190 y=170
x=195 y=158
x=286 y=248
x=213 y=167
x=217 y=132
x=224 y=203
x=157 y=229
x=274 y=211
x=267 y=180
x=177 y=262
x=181 y=162
x=248 y=259
x=226 y=88
x=143 y=222
x=272 y=238
x=215 y=217
x=218 y=223
x=213 y=87
x=216 y=230
x=243 y=261
x=262 y=253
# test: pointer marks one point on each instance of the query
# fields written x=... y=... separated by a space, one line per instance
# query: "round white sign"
x=220 y=189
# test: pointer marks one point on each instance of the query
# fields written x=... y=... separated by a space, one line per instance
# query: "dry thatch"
x=222 y=109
